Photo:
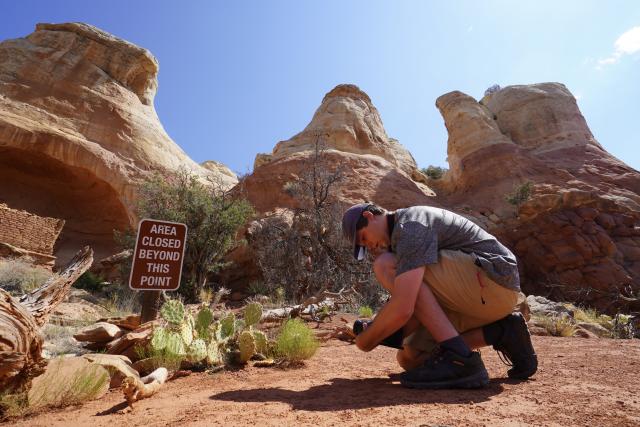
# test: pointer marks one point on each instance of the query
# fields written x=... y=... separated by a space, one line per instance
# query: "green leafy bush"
x=212 y=214
x=296 y=341
x=434 y=172
x=521 y=193
x=89 y=282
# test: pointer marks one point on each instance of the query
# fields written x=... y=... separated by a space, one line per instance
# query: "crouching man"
x=453 y=287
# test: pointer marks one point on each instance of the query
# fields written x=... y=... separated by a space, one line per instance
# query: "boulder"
x=99 y=332
x=129 y=322
x=596 y=329
x=68 y=380
x=118 y=366
x=541 y=306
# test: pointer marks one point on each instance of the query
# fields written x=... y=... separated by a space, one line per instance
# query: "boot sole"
x=478 y=380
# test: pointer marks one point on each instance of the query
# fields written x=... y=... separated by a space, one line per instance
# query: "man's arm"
x=396 y=312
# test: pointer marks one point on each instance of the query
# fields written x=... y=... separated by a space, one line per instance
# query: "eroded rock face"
x=352 y=139
x=78 y=131
x=347 y=121
x=578 y=235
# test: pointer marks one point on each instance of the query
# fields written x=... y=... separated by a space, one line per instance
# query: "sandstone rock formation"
x=578 y=236
x=348 y=130
x=78 y=130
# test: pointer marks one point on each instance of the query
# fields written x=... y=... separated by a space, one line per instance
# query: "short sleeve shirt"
x=421 y=231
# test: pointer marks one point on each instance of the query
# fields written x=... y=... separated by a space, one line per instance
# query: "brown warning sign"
x=158 y=256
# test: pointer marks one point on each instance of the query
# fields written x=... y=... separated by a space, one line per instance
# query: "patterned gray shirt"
x=421 y=231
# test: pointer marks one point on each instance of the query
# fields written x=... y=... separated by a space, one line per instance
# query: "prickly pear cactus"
x=186 y=332
x=203 y=322
x=197 y=350
x=261 y=341
x=159 y=338
x=214 y=357
x=188 y=318
x=172 y=311
x=174 y=344
x=239 y=325
x=227 y=327
x=247 y=346
x=252 y=314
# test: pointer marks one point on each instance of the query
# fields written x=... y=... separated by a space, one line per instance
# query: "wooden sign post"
x=157 y=262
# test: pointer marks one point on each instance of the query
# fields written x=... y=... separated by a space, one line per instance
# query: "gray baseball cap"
x=349 y=221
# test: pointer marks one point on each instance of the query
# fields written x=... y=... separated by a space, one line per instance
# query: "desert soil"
x=580 y=381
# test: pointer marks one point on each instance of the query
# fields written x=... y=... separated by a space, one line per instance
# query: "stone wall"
x=28 y=231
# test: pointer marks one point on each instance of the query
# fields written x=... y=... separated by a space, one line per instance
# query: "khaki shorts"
x=460 y=286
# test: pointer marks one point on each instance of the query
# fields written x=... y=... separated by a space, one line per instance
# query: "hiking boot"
x=446 y=369
x=515 y=346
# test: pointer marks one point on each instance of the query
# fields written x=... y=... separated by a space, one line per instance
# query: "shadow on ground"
x=342 y=394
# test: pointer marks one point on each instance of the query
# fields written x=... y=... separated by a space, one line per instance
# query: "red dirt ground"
x=592 y=382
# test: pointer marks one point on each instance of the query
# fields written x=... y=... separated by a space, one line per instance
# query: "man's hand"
x=396 y=313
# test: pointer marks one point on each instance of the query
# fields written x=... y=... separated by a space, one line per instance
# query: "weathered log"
x=20 y=345
x=135 y=389
x=313 y=306
x=20 y=321
x=41 y=302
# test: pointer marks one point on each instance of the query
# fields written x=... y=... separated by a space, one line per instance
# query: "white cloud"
x=627 y=44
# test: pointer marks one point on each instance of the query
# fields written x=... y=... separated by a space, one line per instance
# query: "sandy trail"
x=580 y=382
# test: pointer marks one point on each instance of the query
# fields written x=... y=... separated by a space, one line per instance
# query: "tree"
x=306 y=253
x=212 y=214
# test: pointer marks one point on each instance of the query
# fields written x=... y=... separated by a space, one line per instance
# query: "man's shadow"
x=342 y=394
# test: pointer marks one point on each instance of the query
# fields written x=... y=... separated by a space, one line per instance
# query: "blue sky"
x=236 y=77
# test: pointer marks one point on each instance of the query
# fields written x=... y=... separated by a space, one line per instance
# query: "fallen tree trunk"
x=313 y=307
x=20 y=345
x=20 y=321
x=41 y=302
x=135 y=388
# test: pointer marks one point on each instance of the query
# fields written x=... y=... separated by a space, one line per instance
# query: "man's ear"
x=368 y=215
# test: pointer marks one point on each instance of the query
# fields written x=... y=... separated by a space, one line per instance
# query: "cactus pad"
x=174 y=343
x=247 y=346
x=214 y=357
x=239 y=325
x=197 y=350
x=173 y=311
x=186 y=332
x=261 y=341
x=252 y=313
x=203 y=319
x=159 y=338
x=227 y=326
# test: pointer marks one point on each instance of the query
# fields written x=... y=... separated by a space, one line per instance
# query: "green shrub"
x=18 y=276
x=434 y=172
x=365 y=311
x=89 y=282
x=212 y=214
x=521 y=193
x=296 y=341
